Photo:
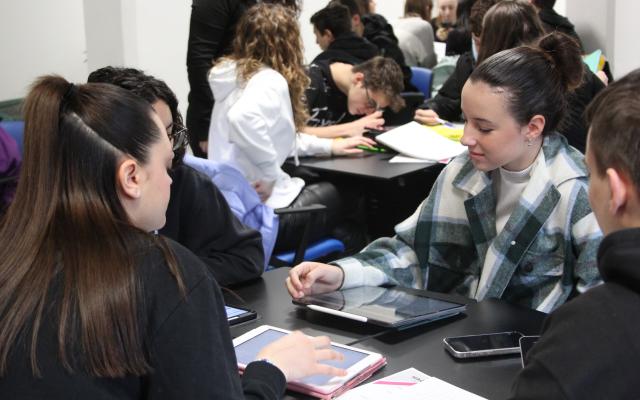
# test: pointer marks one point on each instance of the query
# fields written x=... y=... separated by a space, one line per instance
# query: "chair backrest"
x=421 y=78
x=242 y=198
x=441 y=72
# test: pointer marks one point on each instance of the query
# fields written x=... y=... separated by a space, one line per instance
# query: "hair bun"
x=565 y=54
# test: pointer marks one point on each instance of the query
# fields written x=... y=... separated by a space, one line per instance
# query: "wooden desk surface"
x=419 y=347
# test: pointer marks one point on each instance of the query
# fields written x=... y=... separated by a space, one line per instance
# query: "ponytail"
x=537 y=78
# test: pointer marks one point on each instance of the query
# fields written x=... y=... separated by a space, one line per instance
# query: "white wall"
x=73 y=37
x=40 y=37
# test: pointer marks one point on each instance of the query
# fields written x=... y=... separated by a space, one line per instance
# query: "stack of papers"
x=422 y=142
x=409 y=384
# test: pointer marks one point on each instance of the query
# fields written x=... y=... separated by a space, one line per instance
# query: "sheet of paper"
x=420 y=141
x=403 y=159
x=409 y=384
x=440 y=49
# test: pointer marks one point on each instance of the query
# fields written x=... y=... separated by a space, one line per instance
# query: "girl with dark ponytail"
x=92 y=304
x=508 y=219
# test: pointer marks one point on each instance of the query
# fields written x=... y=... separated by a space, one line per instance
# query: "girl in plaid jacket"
x=508 y=219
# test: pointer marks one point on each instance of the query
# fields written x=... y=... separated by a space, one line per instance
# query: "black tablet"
x=388 y=307
x=236 y=315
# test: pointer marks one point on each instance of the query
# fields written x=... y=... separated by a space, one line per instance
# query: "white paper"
x=404 y=159
x=440 y=48
x=409 y=384
x=420 y=141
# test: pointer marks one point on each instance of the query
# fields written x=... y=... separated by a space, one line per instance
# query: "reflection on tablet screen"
x=382 y=304
x=248 y=351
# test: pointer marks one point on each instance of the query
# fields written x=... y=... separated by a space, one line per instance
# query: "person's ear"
x=535 y=127
x=358 y=78
x=129 y=178
x=329 y=35
x=619 y=189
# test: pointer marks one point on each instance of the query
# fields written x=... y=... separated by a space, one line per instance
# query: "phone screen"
x=236 y=315
x=491 y=341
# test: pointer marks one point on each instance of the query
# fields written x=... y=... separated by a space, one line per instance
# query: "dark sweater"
x=379 y=32
x=552 y=21
x=590 y=347
x=199 y=218
x=447 y=103
x=349 y=47
x=187 y=338
x=211 y=31
x=327 y=104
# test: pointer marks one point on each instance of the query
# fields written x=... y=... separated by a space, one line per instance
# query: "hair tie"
x=67 y=95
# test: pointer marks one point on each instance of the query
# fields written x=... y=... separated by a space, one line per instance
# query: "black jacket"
x=349 y=47
x=187 y=339
x=379 y=32
x=211 y=30
x=447 y=102
x=327 y=104
x=199 y=218
x=590 y=347
x=552 y=21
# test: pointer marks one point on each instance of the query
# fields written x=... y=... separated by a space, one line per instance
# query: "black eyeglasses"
x=371 y=103
x=178 y=137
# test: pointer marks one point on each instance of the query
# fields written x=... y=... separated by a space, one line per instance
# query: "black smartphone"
x=490 y=344
x=236 y=315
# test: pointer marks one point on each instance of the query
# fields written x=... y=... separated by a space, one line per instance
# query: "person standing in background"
x=211 y=31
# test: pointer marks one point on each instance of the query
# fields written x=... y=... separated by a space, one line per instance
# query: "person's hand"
x=428 y=117
x=264 y=189
x=603 y=77
x=297 y=356
x=344 y=147
x=311 y=277
x=442 y=33
x=204 y=146
x=359 y=126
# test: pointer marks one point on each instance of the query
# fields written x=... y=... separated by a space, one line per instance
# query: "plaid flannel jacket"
x=546 y=250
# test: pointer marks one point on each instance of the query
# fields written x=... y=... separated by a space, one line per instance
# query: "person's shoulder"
x=156 y=276
x=190 y=184
x=564 y=162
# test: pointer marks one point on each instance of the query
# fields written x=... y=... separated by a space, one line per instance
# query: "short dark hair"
x=146 y=86
x=478 y=11
x=614 y=120
x=352 y=5
x=418 y=7
x=335 y=18
x=383 y=75
x=536 y=79
x=508 y=24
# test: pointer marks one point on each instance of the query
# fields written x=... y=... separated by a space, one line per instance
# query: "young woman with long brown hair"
x=93 y=305
x=259 y=109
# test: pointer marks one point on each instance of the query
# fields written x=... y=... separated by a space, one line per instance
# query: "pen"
x=371 y=149
x=445 y=123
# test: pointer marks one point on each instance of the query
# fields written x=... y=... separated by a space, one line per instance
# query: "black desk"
x=419 y=347
x=367 y=165
x=391 y=192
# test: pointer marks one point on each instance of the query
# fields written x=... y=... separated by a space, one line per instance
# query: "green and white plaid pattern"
x=547 y=248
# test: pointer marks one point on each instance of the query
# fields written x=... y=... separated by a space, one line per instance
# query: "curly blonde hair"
x=269 y=35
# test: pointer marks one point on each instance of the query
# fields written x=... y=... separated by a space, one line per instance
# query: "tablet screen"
x=388 y=305
x=248 y=351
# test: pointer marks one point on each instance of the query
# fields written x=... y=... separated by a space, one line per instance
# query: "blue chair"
x=315 y=251
x=421 y=78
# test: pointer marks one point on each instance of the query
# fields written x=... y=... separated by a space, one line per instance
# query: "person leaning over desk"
x=590 y=347
x=92 y=304
x=507 y=219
